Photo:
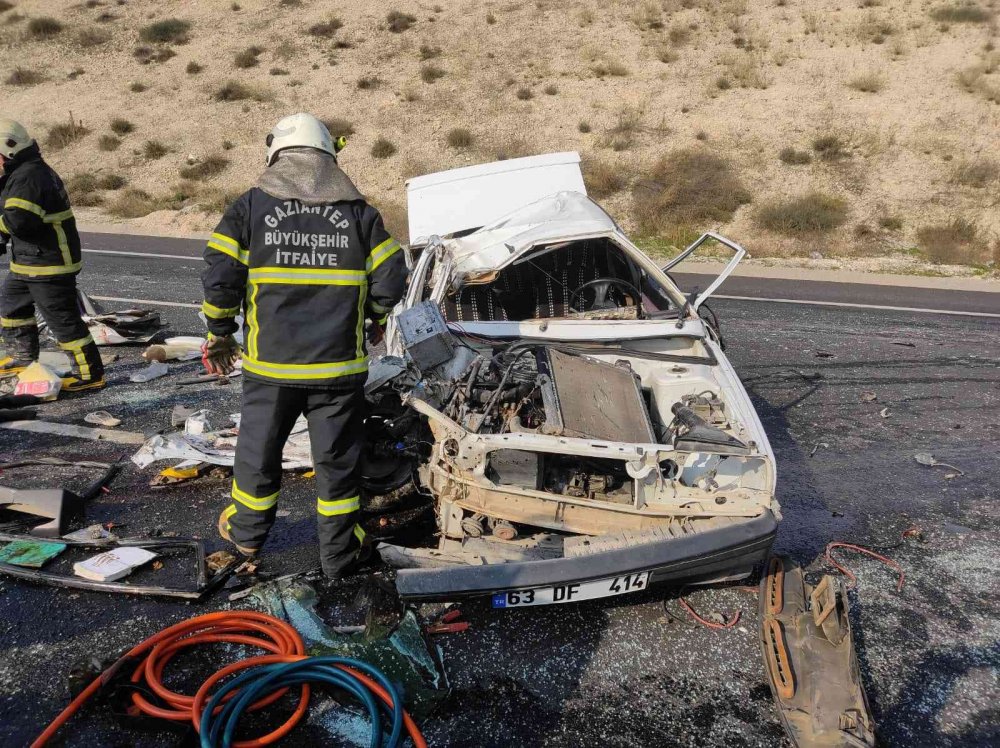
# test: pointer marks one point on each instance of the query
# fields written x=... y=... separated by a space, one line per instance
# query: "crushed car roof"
x=563 y=216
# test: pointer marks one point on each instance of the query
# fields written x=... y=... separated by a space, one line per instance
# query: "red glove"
x=219 y=355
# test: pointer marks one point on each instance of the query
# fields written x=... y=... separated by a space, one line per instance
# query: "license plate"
x=571 y=593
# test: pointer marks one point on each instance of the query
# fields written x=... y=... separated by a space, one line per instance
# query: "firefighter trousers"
x=335 y=425
x=55 y=298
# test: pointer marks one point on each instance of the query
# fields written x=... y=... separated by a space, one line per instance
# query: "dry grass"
x=399 y=22
x=830 y=147
x=111 y=182
x=583 y=126
x=687 y=187
x=121 y=126
x=25 y=77
x=193 y=68
x=666 y=55
x=524 y=93
x=277 y=71
x=953 y=242
x=977 y=173
x=326 y=29
x=428 y=52
x=978 y=79
x=962 y=12
x=875 y=30
x=867 y=83
x=605 y=68
x=147 y=55
x=154 y=149
x=138 y=87
x=5 y=6
x=382 y=148
x=460 y=137
x=794 y=157
x=44 y=28
x=209 y=167
x=108 y=143
x=338 y=126
x=511 y=146
x=87 y=38
x=622 y=135
x=602 y=178
x=368 y=83
x=63 y=135
x=746 y=70
x=236 y=91
x=551 y=90
x=890 y=222
x=430 y=73
x=248 y=58
x=134 y=203
x=167 y=31
x=813 y=212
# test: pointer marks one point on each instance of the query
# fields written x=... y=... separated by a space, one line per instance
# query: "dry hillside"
x=843 y=127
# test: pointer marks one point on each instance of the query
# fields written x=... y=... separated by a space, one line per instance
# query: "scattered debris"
x=59 y=506
x=102 y=418
x=927 y=459
x=852 y=579
x=155 y=370
x=913 y=532
x=718 y=621
x=816 y=447
x=904 y=343
x=92 y=533
x=884 y=413
x=869 y=397
x=180 y=414
x=219 y=560
x=202 y=586
x=182 y=348
x=112 y=565
x=809 y=655
x=197 y=423
x=12 y=407
x=33 y=554
x=80 y=432
x=40 y=381
x=824 y=354
x=448 y=623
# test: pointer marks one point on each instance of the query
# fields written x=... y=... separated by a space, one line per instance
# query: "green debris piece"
x=402 y=655
x=33 y=554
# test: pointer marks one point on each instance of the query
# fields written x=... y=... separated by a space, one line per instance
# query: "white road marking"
x=859 y=306
x=140 y=254
x=151 y=302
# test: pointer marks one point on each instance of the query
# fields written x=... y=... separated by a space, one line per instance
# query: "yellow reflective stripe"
x=378 y=308
x=63 y=243
x=227 y=240
x=75 y=345
x=340 y=506
x=258 y=504
x=44 y=269
x=217 y=312
x=58 y=217
x=309 y=276
x=305 y=371
x=3 y=226
x=381 y=253
x=240 y=255
x=360 y=331
x=10 y=322
x=252 y=321
x=16 y=202
x=360 y=534
x=228 y=512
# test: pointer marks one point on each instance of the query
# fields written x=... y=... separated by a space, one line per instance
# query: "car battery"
x=425 y=335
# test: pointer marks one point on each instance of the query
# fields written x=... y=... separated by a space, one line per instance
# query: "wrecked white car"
x=564 y=404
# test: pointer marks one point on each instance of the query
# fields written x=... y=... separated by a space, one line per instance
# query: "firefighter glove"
x=219 y=354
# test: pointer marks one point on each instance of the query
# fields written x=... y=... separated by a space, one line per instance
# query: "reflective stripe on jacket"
x=35 y=212
x=307 y=277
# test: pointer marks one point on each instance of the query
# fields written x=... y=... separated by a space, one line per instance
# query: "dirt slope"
x=738 y=79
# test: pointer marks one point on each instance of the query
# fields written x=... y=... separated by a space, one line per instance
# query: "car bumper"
x=708 y=555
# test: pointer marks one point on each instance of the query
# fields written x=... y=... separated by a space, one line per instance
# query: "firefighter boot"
x=224 y=533
x=20 y=338
x=88 y=369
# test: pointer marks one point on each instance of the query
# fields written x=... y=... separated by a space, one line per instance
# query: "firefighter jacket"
x=35 y=213
x=307 y=276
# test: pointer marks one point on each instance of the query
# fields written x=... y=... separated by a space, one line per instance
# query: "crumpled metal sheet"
x=219 y=447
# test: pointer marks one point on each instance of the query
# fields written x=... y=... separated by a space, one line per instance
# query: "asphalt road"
x=618 y=672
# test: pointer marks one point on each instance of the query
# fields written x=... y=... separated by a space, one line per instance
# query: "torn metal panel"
x=810 y=660
x=80 y=432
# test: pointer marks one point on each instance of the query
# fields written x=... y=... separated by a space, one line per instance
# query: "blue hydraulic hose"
x=217 y=730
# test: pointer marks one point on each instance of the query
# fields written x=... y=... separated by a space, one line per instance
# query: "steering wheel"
x=602 y=292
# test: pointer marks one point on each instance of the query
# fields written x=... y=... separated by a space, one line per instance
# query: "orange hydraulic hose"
x=237 y=627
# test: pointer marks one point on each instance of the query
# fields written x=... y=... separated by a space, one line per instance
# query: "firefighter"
x=36 y=219
x=308 y=260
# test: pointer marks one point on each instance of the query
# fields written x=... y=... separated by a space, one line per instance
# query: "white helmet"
x=299 y=131
x=13 y=138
